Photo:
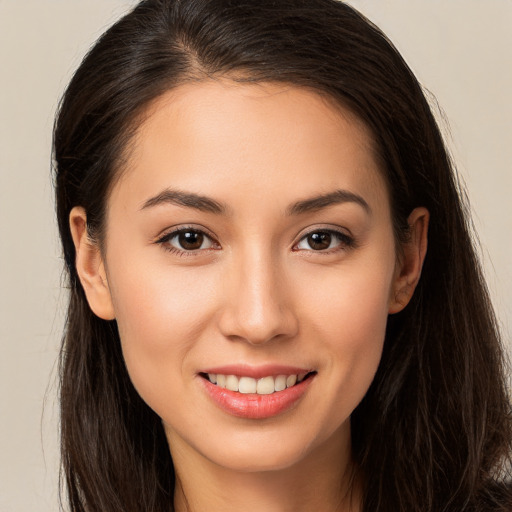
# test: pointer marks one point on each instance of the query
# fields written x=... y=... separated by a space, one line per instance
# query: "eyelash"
x=346 y=242
x=165 y=241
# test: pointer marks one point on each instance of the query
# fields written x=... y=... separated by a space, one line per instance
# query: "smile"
x=264 y=393
x=263 y=386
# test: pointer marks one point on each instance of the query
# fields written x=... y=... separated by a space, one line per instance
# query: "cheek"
x=160 y=316
x=350 y=305
x=349 y=315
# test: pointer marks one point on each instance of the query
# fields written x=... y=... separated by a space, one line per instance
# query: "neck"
x=322 y=480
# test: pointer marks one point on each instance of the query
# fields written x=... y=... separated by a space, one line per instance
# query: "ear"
x=410 y=263
x=90 y=266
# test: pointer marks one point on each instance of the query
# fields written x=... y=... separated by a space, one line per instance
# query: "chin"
x=273 y=449
x=259 y=459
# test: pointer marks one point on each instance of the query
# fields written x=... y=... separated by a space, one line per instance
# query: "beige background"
x=460 y=49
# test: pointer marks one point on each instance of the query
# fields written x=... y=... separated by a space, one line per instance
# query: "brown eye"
x=187 y=240
x=190 y=240
x=323 y=240
x=319 y=241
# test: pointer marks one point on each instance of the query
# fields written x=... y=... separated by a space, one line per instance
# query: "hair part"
x=436 y=421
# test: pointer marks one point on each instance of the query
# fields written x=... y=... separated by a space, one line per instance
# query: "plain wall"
x=461 y=50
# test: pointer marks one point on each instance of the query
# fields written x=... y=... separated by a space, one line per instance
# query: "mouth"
x=266 y=385
x=256 y=394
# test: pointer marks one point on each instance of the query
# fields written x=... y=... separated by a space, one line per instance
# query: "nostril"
x=256 y=314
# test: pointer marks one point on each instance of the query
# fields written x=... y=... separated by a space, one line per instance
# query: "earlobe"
x=409 y=266
x=90 y=266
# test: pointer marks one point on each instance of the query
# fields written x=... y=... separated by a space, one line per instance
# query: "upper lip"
x=257 y=372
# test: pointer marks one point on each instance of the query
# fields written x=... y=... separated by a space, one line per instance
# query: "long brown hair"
x=434 y=431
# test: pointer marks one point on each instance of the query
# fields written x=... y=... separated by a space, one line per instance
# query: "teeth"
x=280 y=383
x=247 y=385
x=264 y=386
x=231 y=383
x=221 y=380
x=291 y=380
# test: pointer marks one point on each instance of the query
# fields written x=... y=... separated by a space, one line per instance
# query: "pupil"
x=319 y=241
x=191 y=240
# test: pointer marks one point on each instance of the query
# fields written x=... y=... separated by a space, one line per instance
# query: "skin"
x=256 y=292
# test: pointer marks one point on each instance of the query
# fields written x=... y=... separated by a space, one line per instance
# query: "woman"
x=244 y=194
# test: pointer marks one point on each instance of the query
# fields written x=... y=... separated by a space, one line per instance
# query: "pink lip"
x=252 y=405
x=257 y=372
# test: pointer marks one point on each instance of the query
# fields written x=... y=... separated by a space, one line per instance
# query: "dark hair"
x=434 y=431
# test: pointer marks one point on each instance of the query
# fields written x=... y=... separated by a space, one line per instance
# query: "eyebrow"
x=187 y=199
x=325 y=200
x=209 y=205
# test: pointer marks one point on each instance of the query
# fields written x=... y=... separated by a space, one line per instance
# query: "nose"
x=258 y=305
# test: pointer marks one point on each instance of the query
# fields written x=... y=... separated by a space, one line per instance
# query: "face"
x=249 y=246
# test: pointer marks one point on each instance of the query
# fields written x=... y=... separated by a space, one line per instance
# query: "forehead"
x=274 y=140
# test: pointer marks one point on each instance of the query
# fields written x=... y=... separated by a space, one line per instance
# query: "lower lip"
x=254 y=406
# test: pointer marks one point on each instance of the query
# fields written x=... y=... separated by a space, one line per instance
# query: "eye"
x=324 y=240
x=187 y=240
